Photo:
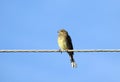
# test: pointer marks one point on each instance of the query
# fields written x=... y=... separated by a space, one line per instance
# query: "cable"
x=38 y=51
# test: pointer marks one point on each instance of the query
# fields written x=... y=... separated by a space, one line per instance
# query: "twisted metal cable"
x=38 y=51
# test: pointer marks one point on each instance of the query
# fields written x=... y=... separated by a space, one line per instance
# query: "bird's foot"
x=60 y=51
x=67 y=50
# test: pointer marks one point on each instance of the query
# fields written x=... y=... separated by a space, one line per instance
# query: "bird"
x=65 y=43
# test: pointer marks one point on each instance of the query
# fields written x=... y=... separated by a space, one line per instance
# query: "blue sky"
x=33 y=24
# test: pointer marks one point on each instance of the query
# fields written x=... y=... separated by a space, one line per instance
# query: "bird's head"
x=62 y=32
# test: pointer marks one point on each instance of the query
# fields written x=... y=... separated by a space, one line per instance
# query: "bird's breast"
x=62 y=43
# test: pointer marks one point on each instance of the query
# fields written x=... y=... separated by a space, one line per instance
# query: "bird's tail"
x=73 y=63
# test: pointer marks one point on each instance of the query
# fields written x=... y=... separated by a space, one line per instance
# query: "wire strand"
x=38 y=51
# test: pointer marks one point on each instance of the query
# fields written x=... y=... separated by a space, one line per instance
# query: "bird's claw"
x=60 y=51
x=66 y=50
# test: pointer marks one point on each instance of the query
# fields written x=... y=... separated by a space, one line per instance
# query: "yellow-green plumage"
x=62 y=43
x=65 y=43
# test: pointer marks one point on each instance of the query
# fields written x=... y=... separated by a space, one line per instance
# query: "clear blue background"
x=33 y=24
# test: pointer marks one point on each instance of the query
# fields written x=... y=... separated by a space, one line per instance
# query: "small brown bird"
x=65 y=43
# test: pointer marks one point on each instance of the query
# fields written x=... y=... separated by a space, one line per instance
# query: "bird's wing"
x=69 y=42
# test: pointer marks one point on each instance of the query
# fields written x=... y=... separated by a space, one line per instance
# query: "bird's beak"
x=58 y=31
